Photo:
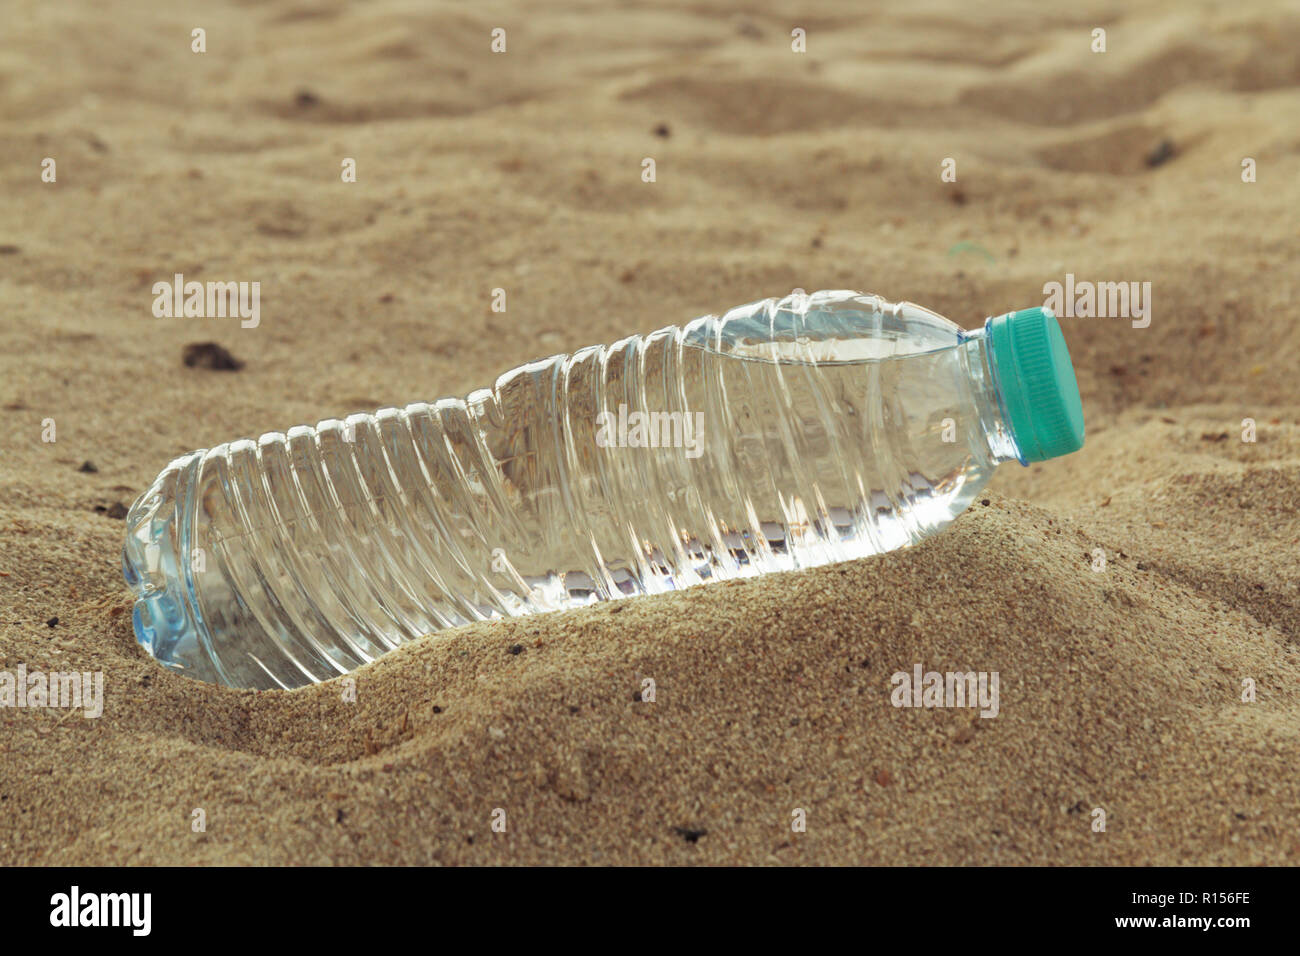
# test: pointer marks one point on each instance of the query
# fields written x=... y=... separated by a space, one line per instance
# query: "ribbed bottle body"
x=785 y=434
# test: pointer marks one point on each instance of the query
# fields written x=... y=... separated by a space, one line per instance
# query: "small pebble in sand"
x=1163 y=152
x=210 y=355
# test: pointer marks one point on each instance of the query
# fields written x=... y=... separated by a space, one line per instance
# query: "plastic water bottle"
x=786 y=434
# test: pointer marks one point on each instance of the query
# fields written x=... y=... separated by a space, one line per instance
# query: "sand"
x=1121 y=689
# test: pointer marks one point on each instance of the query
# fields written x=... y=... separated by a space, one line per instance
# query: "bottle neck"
x=988 y=399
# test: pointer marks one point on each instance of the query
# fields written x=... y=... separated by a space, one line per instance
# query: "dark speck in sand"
x=88 y=467
x=52 y=621
x=1163 y=152
x=116 y=510
x=516 y=649
x=690 y=835
x=210 y=355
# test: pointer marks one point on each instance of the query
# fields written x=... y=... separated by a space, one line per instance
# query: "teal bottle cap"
x=1036 y=380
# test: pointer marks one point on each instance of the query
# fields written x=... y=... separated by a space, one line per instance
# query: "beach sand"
x=1121 y=689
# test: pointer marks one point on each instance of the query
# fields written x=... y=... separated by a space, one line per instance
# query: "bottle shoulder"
x=834 y=326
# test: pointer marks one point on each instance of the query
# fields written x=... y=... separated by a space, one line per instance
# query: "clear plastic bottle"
x=786 y=434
